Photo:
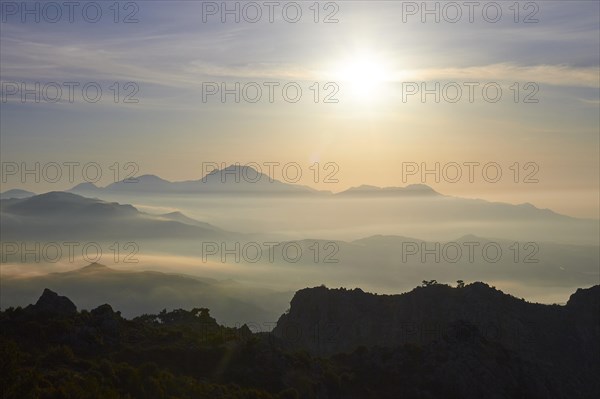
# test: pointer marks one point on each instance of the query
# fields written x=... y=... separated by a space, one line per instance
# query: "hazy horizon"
x=543 y=58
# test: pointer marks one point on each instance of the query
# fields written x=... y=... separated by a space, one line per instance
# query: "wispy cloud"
x=557 y=75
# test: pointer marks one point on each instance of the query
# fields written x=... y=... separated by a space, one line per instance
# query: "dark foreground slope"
x=434 y=342
x=474 y=330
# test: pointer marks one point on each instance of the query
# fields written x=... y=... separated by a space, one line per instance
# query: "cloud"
x=557 y=75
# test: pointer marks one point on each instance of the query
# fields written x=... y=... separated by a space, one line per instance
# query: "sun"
x=363 y=76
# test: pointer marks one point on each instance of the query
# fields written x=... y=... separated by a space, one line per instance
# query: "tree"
x=460 y=284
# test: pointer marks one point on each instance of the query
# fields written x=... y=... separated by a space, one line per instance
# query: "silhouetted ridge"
x=51 y=302
x=87 y=186
x=586 y=298
x=427 y=343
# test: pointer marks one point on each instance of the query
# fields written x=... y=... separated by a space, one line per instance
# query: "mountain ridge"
x=69 y=215
x=476 y=303
x=550 y=356
x=16 y=193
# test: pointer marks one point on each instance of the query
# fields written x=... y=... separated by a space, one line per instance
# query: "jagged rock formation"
x=561 y=342
x=51 y=302
x=347 y=319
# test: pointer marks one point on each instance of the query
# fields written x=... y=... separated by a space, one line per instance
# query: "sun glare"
x=362 y=76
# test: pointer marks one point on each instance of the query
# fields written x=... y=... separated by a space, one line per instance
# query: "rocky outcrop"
x=586 y=299
x=51 y=302
x=556 y=349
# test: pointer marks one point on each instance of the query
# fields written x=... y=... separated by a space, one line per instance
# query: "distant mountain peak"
x=143 y=181
x=365 y=187
x=420 y=187
x=59 y=194
x=84 y=186
x=241 y=170
x=240 y=167
x=177 y=216
x=411 y=190
x=175 y=213
x=148 y=178
x=470 y=237
x=56 y=196
x=95 y=267
x=16 y=193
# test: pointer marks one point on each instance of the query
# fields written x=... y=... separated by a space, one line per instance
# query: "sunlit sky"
x=369 y=54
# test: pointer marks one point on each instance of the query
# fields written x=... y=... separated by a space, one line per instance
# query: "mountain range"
x=265 y=205
x=233 y=179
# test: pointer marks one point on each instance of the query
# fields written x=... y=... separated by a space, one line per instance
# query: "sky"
x=362 y=69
